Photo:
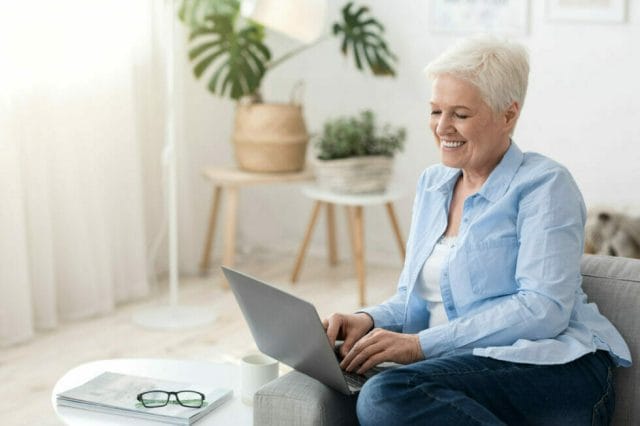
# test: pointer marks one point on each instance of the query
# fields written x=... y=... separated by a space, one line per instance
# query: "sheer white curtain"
x=78 y=109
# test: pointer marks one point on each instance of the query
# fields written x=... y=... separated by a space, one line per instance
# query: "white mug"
x=256 y=370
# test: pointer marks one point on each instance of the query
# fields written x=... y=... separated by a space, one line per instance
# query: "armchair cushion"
x=297 y=399
x=613 y=283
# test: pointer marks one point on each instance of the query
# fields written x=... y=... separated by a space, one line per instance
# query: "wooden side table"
x=230 y=179
x=354 y=204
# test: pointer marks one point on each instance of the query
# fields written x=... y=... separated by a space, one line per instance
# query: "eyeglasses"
x=160 y=398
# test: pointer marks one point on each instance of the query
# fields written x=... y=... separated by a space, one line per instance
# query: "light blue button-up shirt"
x=511 y=286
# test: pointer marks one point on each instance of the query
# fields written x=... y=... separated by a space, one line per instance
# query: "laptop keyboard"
x=354 y=380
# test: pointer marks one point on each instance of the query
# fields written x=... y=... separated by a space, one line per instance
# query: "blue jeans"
x=472 y=390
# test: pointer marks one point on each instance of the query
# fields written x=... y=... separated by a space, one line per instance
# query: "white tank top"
x=428 y=285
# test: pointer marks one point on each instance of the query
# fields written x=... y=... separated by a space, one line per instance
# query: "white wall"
x=583 y=107
x=582 y=110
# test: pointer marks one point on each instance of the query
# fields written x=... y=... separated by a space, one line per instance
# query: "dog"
x=612 y=234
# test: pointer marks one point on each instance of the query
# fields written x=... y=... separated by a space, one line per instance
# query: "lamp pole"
x=174 y=315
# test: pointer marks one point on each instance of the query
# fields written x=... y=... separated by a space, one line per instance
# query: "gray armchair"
x=613 y=283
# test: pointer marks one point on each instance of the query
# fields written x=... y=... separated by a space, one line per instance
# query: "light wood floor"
x=28 y=372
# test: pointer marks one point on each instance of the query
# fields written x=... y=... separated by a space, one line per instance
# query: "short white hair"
x=499 y=68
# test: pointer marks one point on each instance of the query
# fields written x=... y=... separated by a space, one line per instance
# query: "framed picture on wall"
x=587 y=10
x=504 y=17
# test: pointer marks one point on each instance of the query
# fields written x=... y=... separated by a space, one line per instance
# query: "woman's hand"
x=347 y=327
x=381 y=346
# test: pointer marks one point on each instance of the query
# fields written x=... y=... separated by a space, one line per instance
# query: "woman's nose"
x=444 y=125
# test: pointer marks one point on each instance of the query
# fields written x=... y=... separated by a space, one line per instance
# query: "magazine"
x=114 y=393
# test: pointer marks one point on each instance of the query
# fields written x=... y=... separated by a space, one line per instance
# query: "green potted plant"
x=232 y=53
x=354 y=156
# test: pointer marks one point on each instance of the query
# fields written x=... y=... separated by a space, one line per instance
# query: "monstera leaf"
x=232 y=50
x=362 y=35
x=239 y=57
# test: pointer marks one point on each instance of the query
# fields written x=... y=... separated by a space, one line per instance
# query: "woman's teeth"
x=452 y=144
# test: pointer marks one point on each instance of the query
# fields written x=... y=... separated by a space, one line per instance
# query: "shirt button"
x=449 y=308
x=465 y=220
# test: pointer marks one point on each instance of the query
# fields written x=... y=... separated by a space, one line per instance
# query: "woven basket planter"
x=354 y=175
x=270 y=137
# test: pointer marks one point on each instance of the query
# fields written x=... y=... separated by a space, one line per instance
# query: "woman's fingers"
x=347 y=345
x=372 y=361
x=333 y=330
x=362 y=351
x=349 y=327
x=352 y=353
x=380 y=346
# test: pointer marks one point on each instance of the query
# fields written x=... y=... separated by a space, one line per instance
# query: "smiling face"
x=469 y=134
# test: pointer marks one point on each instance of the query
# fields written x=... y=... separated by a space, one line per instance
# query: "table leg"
x=356 y=221
x=347 y=210
x=359 y=240
x=305 y=242
x=331 y=235
x=230 y=228
x=396 y=229
x=213 y=217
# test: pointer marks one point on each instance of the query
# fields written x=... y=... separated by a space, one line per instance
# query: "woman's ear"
x=511 y=115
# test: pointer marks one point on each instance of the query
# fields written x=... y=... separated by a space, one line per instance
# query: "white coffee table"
x=232 y=412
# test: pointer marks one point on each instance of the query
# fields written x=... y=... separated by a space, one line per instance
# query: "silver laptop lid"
x=287 y=328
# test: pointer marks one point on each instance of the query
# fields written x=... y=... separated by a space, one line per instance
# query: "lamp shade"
x=299 y=19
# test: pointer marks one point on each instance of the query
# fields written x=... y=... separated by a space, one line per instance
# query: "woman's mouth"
x=452 y=144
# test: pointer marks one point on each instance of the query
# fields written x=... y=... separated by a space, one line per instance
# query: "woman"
x=489 y=315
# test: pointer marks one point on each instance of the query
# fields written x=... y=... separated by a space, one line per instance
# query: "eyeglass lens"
x=189 y=399
x=153 y=399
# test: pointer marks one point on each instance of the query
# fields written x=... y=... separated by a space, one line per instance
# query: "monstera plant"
x=231 y=52
x=235 y=50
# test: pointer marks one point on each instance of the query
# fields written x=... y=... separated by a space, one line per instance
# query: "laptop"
x=289 y=329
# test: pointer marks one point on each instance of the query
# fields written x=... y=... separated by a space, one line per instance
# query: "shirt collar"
x=448 y=181
x=501 y=177
x=498 y=181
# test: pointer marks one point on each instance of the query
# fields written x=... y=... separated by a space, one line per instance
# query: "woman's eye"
x=461 y=116
x=435 y=112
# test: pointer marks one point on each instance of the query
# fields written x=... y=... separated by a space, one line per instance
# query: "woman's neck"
x=473 y=179
x=470 y=183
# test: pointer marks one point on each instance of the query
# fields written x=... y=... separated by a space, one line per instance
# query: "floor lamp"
x=173 y=315
x=302 y=20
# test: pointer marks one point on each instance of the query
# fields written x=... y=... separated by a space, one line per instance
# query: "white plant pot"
x=354 y=175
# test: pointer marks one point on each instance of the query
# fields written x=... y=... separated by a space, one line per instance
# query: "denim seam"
x=605 y=395
x=412 y=383
x=505 y=369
